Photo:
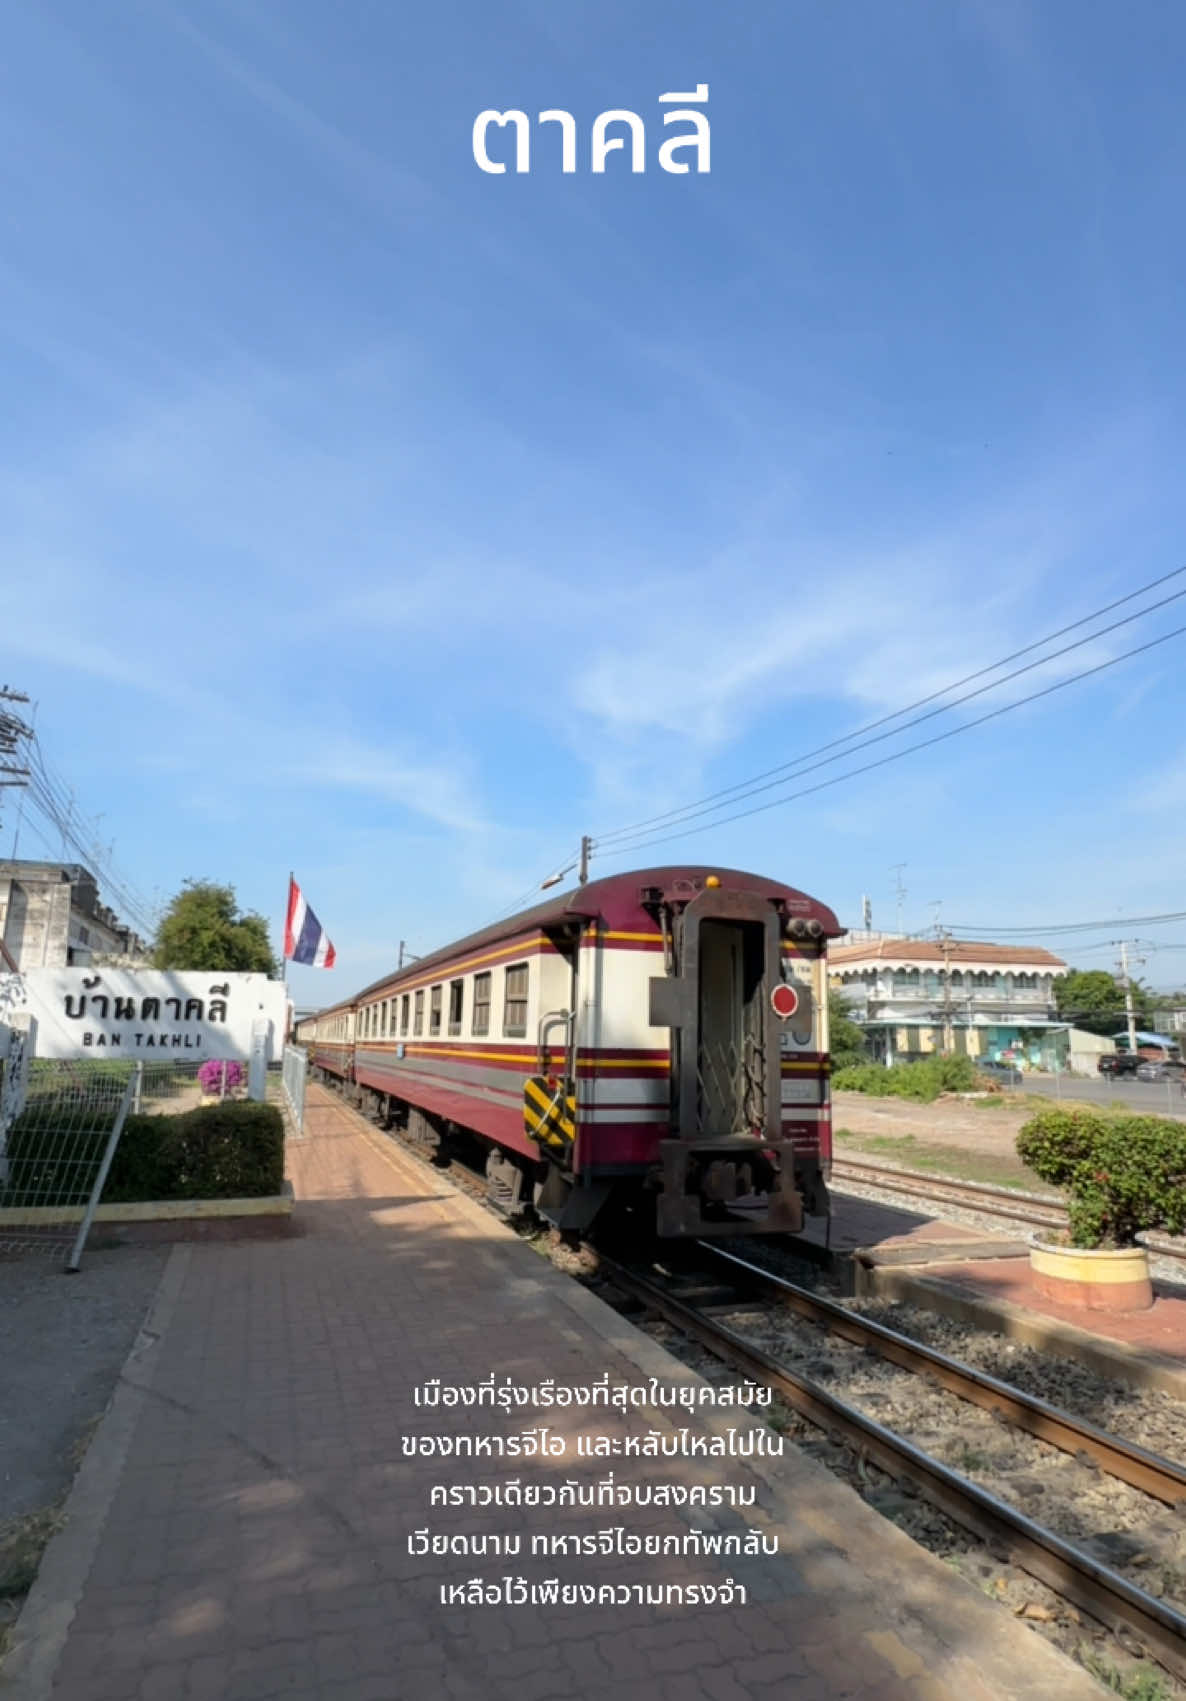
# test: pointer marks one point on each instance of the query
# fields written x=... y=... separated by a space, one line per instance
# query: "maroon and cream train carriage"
x=660 y=1032
x=329 y=1039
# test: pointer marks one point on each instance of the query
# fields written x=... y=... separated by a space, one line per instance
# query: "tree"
x=845 y=1038
x=203 y=929
x=1093 y=999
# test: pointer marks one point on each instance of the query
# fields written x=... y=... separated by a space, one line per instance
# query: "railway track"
x=1071 y=1573
x=1007 y=1203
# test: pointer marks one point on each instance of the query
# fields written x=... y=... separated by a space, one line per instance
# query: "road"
x=1161 y=1098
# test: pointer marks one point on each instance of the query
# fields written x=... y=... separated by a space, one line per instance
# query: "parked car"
x=1161 y=1069
x=995 y=1071
x=1118 y=1063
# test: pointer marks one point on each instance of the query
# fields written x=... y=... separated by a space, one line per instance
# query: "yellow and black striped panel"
x=550 y=1112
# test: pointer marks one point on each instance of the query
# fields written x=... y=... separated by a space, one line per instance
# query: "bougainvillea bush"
x=210 y=1076
x=1124 y=1174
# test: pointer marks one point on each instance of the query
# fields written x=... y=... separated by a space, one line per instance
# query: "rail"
x=1009 y=1203
x=1071 y=1573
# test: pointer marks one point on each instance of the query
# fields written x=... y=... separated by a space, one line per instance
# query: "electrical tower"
x=899 y=891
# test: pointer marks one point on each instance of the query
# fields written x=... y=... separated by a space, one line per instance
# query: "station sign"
x=149 y=1013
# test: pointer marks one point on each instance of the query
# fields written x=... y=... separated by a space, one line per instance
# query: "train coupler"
x=728 y=1186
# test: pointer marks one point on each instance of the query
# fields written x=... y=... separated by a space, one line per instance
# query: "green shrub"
x=849 y=1060
x=233 y=1150
x=1124 y=1174
x=921 y=1081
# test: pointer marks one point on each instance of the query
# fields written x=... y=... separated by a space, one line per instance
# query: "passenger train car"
x=658 y=1036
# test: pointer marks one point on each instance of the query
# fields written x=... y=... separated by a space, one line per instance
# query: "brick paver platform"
x=858 y=1223
x=240 y=1529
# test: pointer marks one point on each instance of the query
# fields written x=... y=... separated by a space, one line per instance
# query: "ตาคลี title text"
x=695 y=140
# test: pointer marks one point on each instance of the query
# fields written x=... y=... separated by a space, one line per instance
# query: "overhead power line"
x=556 y=872
x=1113 y=922
x=49 y=796
x=897 y=755
x=858 y=740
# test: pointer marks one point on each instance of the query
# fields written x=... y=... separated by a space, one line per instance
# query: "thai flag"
x=305 y=940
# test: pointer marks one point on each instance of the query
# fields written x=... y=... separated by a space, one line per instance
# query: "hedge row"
x=922 y=1081
x=232 y=1150
x=1125 y=1174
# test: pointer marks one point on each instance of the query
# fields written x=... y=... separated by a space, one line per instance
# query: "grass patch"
x=998 y=1169
x=1138 y=1683
x=22 y=1542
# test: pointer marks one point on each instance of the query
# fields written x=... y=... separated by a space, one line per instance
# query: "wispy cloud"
x=443 y=790
x=391 y=189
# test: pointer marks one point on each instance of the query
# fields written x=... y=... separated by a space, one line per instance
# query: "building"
x=916 y=997
x=51 y=918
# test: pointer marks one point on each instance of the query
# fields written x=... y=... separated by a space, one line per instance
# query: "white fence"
x=293 y=1074
x=57 y=1153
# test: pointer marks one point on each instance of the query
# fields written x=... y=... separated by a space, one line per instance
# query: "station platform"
x=900 y=1253
x=244 y=1524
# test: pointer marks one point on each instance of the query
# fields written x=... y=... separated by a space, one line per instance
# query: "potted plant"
x=218 y=1079
x=1124 y=1175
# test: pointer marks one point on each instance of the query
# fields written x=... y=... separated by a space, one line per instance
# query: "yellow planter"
x=1099 y=1280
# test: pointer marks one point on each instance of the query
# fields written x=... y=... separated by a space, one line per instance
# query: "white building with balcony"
x=916 y=997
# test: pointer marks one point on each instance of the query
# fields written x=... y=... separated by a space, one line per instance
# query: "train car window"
x=456 y=998
x=434 y=1014
x=514 y=1010
x=405 y=1005
x=482 y=1003
x=418 y=1024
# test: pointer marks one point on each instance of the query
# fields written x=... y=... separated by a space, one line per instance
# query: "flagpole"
x=284 y=932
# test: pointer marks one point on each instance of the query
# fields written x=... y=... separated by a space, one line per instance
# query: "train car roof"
x=615 y=899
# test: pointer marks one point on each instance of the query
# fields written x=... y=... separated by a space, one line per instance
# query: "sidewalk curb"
x=1134 y=1365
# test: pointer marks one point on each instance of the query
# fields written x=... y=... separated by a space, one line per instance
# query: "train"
x=653 y=1043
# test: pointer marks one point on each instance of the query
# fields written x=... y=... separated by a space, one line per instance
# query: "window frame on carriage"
x=517 y=998
x=483 y=999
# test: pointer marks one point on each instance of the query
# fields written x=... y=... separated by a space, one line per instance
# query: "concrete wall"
x=35 y=921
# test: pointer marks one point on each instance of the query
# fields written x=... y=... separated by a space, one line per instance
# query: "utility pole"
x=12 y=730
x=948 y=1024
x=1128 y=1007
x=586 y=847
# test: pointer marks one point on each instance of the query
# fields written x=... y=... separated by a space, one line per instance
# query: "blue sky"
x=372 y=516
